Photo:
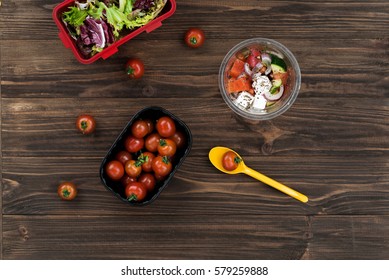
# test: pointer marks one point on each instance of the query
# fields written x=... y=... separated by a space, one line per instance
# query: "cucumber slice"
x=277 y=69
x=278 y=65
x=270 y=103
x=276 y=82
x=275 y=85
x=278 y=61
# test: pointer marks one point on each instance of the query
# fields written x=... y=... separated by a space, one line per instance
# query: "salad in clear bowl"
x=259 y=79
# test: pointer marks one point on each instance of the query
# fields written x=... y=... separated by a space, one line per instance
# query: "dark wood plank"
x=344 y=186
x=313 y=19
x=342 y=68
x=313 y=126
x=168 y=237
x=196 y=237
x=349 y=237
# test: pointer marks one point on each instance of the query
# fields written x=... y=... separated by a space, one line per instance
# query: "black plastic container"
x=153 y=113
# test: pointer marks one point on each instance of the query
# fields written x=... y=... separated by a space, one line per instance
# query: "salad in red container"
x=97 y=24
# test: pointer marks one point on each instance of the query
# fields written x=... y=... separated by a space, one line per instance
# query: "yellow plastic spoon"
x=216 y=155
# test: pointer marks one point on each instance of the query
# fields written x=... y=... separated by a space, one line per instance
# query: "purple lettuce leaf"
x=108 y=34
x=144 y=4
x=94 y=34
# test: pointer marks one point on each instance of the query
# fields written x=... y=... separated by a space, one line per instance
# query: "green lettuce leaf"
x=143 y=18
x=128 y=7
x=96 y=12
x=75 y=16
x=125 y=6
x=115 y=17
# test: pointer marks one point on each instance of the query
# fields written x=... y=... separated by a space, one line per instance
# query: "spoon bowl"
x=216 y=156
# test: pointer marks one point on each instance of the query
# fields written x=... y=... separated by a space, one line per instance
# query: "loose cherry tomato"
x=86 y=124
x=230 y=161
x=194 y=37
x=135 y=68
x=140 y=129
x=148 y=180
x=150 y=125
x=179 y=138
x=133 y=168
x=161 y=165
x=147 y=159
x=133 y=144
x=152 y=141
x=135 y=191
x=167 y=147
x=114 y=170
x=166 y=126
x=127 y=179
x=67 y=191
x=123 y=156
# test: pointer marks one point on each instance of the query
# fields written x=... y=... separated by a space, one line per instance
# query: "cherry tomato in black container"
x=150 y=148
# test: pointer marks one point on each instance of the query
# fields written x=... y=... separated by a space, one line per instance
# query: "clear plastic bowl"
x=292 y=86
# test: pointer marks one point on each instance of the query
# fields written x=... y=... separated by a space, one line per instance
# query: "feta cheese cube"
x=244 y=100
x=259 y=102
x=261 y=84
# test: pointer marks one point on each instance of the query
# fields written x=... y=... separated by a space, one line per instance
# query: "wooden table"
x=331 y=145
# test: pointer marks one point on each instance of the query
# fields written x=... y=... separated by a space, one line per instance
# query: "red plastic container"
x=69 y=42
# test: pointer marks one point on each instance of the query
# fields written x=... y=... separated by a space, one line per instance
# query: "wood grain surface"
x=332 y=145
x=195 y=237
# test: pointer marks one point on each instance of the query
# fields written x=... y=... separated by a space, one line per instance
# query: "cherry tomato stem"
x=84 y=125
x=193 y=40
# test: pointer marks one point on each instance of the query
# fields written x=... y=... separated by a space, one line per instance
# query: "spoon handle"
x=276 y=185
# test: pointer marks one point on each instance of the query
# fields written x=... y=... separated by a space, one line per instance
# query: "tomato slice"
x=238 y=85
x=237 y=68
